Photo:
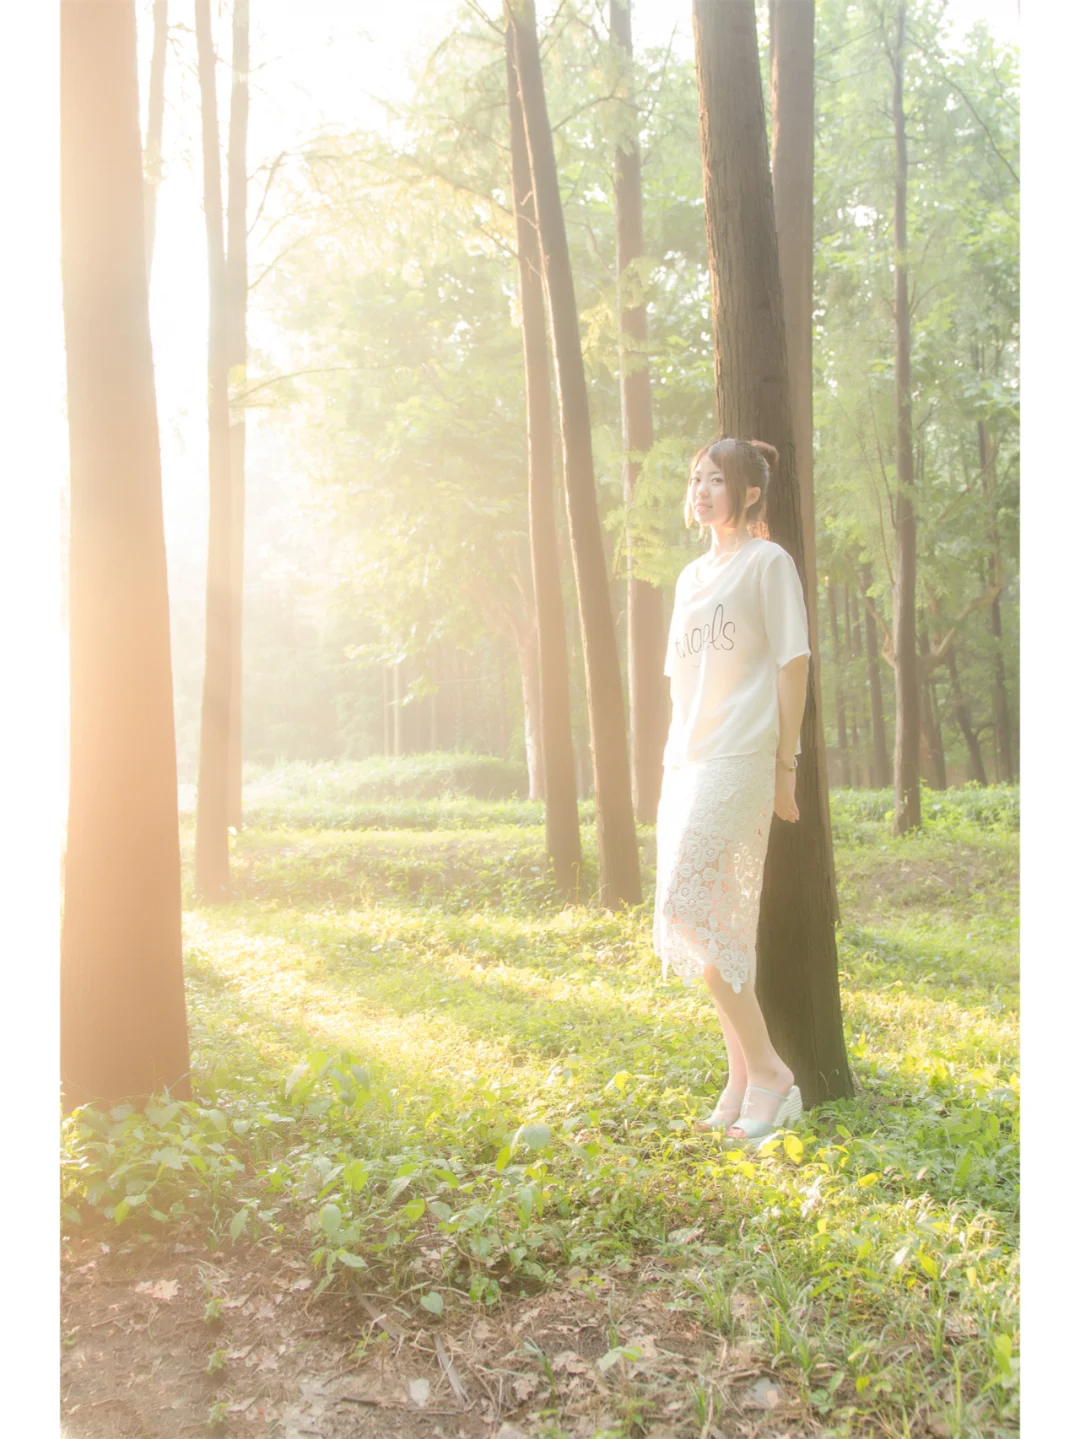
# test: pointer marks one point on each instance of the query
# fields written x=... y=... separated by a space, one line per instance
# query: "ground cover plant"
x=440 y=1174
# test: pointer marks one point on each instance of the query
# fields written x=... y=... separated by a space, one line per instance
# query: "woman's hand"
x=784 y=802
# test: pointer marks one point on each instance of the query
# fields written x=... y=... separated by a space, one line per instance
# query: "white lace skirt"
x=712 y=830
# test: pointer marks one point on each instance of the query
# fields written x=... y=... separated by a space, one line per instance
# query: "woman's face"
x=708 y=493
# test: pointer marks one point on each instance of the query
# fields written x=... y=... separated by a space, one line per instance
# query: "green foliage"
x=466 y=1093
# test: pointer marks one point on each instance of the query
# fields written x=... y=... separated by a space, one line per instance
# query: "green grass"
x=429 y=1067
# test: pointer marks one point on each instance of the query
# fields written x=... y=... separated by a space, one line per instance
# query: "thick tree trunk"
x=236 y=282
x=123 y=1025
x=797 y=963
x=962 y=715
x=906 y=759
x=873 y=675
x=620 y=876
x=1003 y=741
x=645 y=635
x=155 y=118
x=212 y=805
x=838 y=681
x=932 y=741
x=555 y=736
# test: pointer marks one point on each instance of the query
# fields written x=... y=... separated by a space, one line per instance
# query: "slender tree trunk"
x=873 y=675
x=906 y=760
x=433 y=704
x=399 y=716
x=529 y=659
x=1003 y=742
x=212 y=805
x=645 y=634
x=236 y=281
x=962 y=715
x=155 y=118
x=797 y=963
x=791 y=48
x=855 y=713
x=931 y=728
x=387 y=714
x=620 y=876
x=123 y=1024
x=841 y=703
x=555 y=737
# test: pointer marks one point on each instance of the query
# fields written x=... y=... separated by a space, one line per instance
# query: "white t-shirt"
x=736 y=624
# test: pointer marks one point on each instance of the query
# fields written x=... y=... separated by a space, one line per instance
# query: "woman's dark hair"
x=745 y=464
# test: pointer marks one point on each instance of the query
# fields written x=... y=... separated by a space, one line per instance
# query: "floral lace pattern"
x=712 y=831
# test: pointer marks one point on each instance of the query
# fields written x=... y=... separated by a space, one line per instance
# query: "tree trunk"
x=123 y=1024
x=155 y=117
x=529 y=659
x=212 y=804
x=645 y=635
x=841 y=706
x=387 y=714
x=1003 y=743
x=797 y=963
x=620 y=876
x=555 y=738
x=236 y=281
x=931 y=727
x=906 y=758
x=855 y=713
x=433 y=703
x=962 y=714
x=873 y=674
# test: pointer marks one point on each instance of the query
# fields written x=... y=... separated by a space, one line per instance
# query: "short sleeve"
x=783 y=608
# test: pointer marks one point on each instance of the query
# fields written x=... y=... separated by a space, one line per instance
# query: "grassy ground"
x=458 y=1104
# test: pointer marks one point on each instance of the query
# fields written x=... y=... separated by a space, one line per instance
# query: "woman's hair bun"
x=768 y=453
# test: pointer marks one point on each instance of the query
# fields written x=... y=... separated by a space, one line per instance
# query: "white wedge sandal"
x=756 y=1131
x=716 y=1119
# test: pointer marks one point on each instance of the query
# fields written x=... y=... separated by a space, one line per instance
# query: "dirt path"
x=167 y=1343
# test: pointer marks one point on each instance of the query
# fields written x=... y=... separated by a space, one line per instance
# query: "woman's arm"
x=791 y=694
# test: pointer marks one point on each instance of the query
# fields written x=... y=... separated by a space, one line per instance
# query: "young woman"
x=737 y=659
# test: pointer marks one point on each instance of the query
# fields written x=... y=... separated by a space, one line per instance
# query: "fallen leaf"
x=764 y=1393
x=164 y=1289
x=236 y=1303
x=241 y=1405
x=510 y=1431
x=939 y=1426
x=420 y=1391
x=646 y=1343
x=241 y=1353
x=300 y=1284
x=568 y=1362
x=525 y=1387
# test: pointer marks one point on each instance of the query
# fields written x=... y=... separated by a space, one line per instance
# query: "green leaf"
x=502 y=1159
x=793 y=1147
x=433 y=1303
x=536 y=1136
x=350 y=1260
x=414 y=1210
x=330 y=1219
x=294 y=1078
x=865 y=1180
x=238 y=1223
x=929 y=1264
x=121 y=1212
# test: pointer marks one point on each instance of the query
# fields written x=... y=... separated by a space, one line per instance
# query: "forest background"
x=386 y=528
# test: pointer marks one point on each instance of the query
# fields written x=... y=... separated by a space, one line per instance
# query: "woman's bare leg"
x=761 y=1065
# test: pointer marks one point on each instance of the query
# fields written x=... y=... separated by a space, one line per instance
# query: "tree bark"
x=236 y=283
x=645 y=635
x=1003 y=743
x=212 y=804
x=797 y=963
x=931 y=726
x=556 y=744
x=841 y=705
x=855 y=714
x=962 y=715
x=123 y=1024
x=155 y=118
x=399 y=717
x=620 y=875
x=529 y=660
x=906 y=757
x=873 y=675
